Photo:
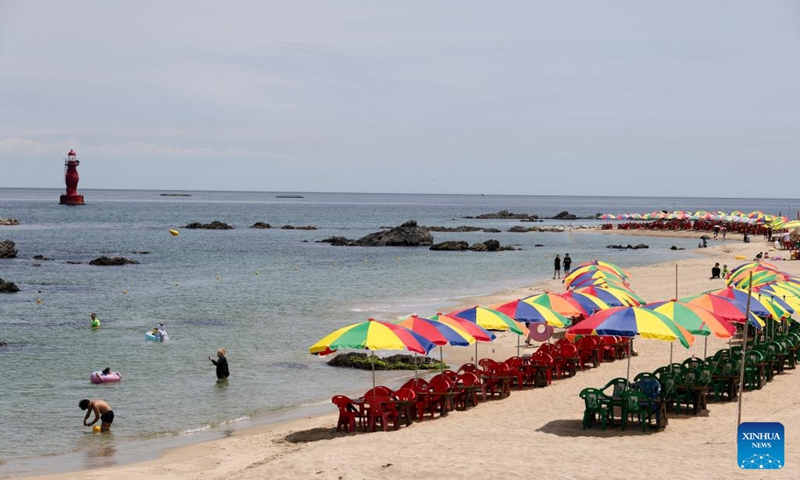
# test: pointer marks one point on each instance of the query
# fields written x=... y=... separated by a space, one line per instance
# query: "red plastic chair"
x=515 y=371
x=349 y=414
x=416 y=383
x=437 y=402
x=587 y=352
x=609 y=348
x=381 y=410
x=542 y=359
x=379 y=391
x=546 y=348
x=467 y=385
x=469 y=368
x=566 y=360
x=497 y=381
x=451 y=375
x=487 y=363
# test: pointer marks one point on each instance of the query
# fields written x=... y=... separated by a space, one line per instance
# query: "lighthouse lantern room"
x=71 y=177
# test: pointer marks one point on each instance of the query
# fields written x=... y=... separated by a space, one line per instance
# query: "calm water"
x=264 y=295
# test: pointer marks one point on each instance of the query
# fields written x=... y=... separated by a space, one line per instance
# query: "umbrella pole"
x=744 y=358
x=416 y=371
x=441 y=357
x=372 y=360
x=676 y=297
x=630 y=352
x=705 y=347
x=476 y=353
x=518 y=345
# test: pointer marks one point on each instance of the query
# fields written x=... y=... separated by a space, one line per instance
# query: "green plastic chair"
x=619 y=385
x=642 y=376
x=636 y=404
x=596 y=404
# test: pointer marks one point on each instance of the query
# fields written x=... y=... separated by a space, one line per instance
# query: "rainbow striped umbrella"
x=372 y=335
x=632 y=321
x=477 y=331
x=490 y=319
x=533 y=313
x=728 y=309
x=696 y=320
x=740 y=296
x=621 y=272
x=610 y=297
x=589 y=277
x=592 y=269
x=564 y=306
x=437 y=332
x=589 y=303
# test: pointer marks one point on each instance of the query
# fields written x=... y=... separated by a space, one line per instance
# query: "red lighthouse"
x=71 y=177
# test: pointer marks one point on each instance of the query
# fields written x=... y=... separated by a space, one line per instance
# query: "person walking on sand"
x=567 y=264
x=95 y=321
x=102 y=411
x=557 y=267
x=222 y=364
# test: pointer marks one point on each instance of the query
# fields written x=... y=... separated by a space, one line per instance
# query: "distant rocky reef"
x=8 y=287
x=8 y=249
x=408 y=234
x=9 y=221
x=175 y=195
x=487 y=246
x=524 y=217
x=215 y=225
x=112 y=261
x=395 y=362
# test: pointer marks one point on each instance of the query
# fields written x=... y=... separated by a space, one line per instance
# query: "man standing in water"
x=567 y=264
x=222 y=364
x=557 y=267
x=102 y=411
x=95 y=321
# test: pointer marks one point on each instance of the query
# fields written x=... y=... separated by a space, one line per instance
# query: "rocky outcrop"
x=451 y=246
x=565 y=215
x=505 y=215
x=8 y=287
x=9 y=221
x=292 y=227
x=41 y=258
x=408 y=234
x=490 y=246
x=519 y=229
x=395 y=362
x=460 y=229
x=626 y=247
x=8 y=249
x=215 y=225
x=260 y=225
x=112 y=261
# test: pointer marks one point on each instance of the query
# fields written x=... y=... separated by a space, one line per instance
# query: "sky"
x=639 y=98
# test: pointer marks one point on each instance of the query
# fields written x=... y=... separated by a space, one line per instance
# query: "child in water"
x=95 y=321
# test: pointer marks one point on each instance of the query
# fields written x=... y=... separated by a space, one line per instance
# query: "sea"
x=265 y=295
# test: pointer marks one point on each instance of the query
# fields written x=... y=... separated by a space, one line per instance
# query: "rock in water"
x=112 y=261
x=7 y=249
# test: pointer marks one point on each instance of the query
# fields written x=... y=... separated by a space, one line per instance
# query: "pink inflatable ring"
x=99 y=377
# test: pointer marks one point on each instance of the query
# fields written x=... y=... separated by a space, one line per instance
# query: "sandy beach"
x=534 y=433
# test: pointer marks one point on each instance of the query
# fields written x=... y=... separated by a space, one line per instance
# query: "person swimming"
x=95 y=321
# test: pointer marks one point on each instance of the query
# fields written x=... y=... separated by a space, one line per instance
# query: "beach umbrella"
x=372 y=335
x=437 y=332
x=632 y=321
x=740 y=296
x=608 y=266
x=533 y=313
x=590 y=276
x=489 y=319
x=592 y=269
x=555 y=302
x=611 y=298
x=479 y=333
x=589 y=303
x=728 y=309
x=757 y=279
x=696 y=320
x=625 y=292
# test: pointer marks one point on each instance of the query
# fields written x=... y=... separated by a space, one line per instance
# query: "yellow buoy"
x=124 y=292
x=38 y=300
x=96 y=429
x=740 y=257
x=174 y=233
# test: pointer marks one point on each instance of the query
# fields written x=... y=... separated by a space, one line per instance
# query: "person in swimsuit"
x=102 y=411
x=222 y=364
